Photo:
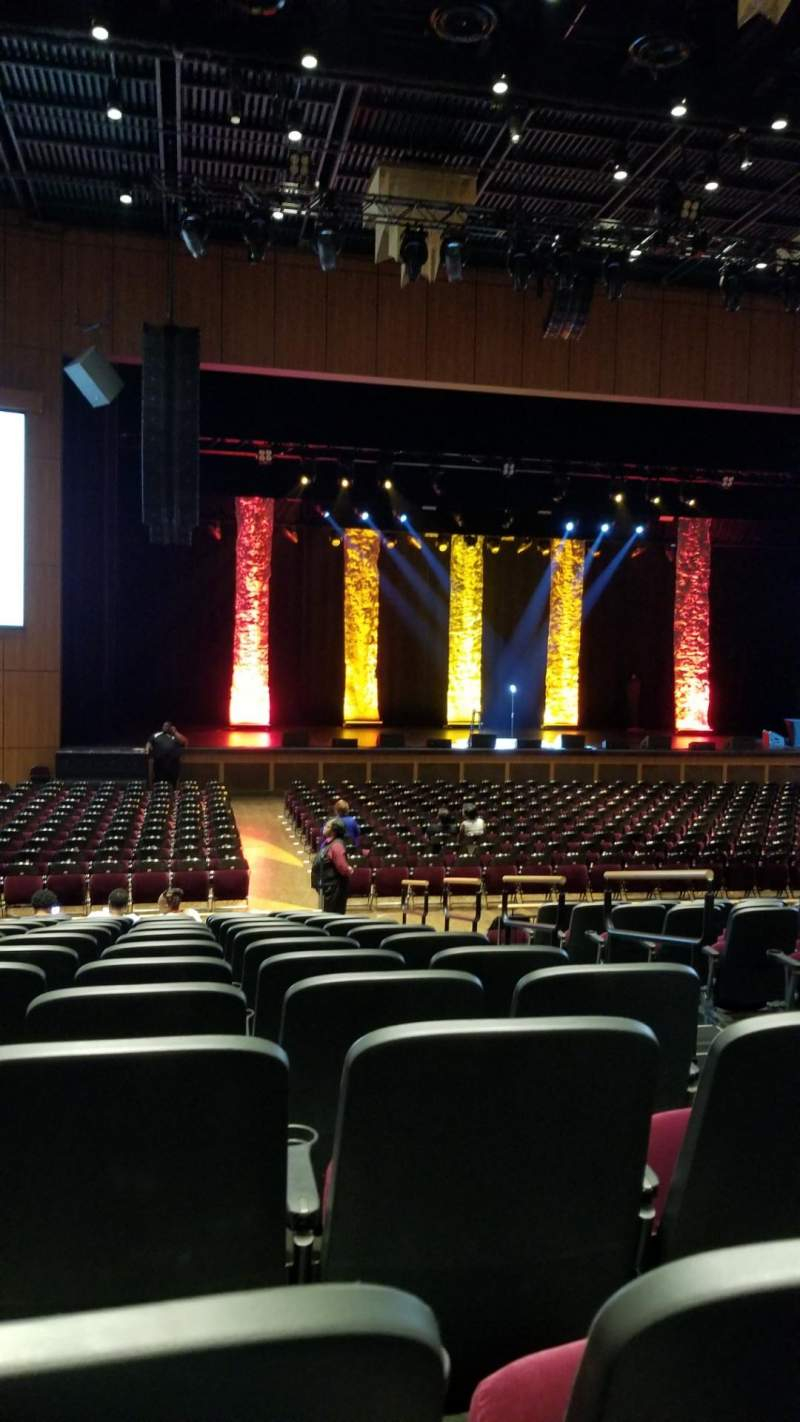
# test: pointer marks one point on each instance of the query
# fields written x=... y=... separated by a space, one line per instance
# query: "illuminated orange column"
x=561 y=694
x=361 y=610
x=690 y=631
x=249 y=703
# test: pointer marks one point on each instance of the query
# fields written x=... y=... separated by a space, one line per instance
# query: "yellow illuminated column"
x=465 y=640
x=361 y=593
x=564 y=633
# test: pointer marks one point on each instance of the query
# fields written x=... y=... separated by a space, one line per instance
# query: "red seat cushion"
x=667 y=1130
x=534 y=1389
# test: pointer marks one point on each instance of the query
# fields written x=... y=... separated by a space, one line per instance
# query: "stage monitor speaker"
x=529 y=743
x=438 y=743
x=570 y=741
x=391 y=740
x=170 y=432
x=345 y=742
x=660 y=743
x=481 y=740
x=95 y=377
x=298 y=740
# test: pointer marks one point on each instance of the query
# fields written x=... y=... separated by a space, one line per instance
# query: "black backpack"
x=319 y=864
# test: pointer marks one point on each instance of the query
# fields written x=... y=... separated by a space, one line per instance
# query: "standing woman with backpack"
x=330 y=871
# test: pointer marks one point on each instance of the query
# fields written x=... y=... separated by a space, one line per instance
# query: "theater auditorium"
x=399 y=711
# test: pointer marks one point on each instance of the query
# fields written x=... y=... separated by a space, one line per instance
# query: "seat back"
x=372 y=935
x=419 y=945
x=277 y=974
x=240 y=938
x=84 y=944
x=143 y=1010
x=118 y=971
x=747 y=978
x=701 y=1338
x=499 y=970
x=585 y=918
x=737 y=1179
x=139 y=1170
x=20 y=983
x=261 y=949
x=664 y=996
x=541 y=1123
x=323 y=1016
x=642 y=917
x=326 y=1353
x=169 y=947
x=59 y=965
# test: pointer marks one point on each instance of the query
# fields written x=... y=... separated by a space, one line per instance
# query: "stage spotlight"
x=291 y=535
x=779 y=121
x=364 y=515
x=732 y=288
x=344 y=482
x=634 y=253
x=336 y=541
x=309 y=60
x=294 y=124
x=679 y=108
x=391 y=540
x=99 y=30
x=711 y=176
x=388 y=485
x=326 y=513
x=761 y=265
x=453 y=252
x=413 y=251
x=126 y=198
x=278 y=214
x=620 y=170
x=655 y=499
x=494 y=545
x=515 y=124
x=235 y=102
x=442 y=544
x=305 y=481
x=519 y=261
x=113 y=102
x=403 y=518
x=569 y=526
x=743 y=152
x=414 y=542
x=618 y=497
x=605 y=527
x=639 y=528
x=524 y=545
x=326 y=243
x=500 y=85
x=512 y=688
x=194 y=232
x=255 y=235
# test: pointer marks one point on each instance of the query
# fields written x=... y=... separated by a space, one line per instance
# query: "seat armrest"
x=647 y=1214
x=302 y=1195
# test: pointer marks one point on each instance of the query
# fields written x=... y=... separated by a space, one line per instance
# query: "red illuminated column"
x=249 y=704
x=690 y=636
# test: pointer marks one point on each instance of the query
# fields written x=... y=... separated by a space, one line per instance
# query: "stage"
x=255 y=762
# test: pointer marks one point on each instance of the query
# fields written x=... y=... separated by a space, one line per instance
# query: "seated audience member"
x=44 y=903
x=117 y=907
x=171 y=902
x=441 y=827
x=352 y=829
x=330 y=871
x=472 y=825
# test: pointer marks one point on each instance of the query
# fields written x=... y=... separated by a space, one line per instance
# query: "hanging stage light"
x=452 y=249
x=679 y=108
x=413 y=251
x=99 y=30
x=515 y=125
x=743 y=151
x=255 y=234
x=294 y=124
x=614 y=276
x=309 y=59
x=519 y=260
x=620 y=168
x=113 y=101
x=194 y=232
x=731 y=286
x=711 y=176
x=500 y=85
x=326 y=243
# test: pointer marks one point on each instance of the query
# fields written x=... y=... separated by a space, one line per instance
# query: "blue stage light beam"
x=440 y=573
x=593 y=594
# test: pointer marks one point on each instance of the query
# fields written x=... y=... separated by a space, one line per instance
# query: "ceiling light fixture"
x=113 y=102
x=278 y=214
x=294 y=124
x=620 y=170
x=99 y=31
x=711 y=177
x=309 y=60
x=388 y=485
x=500 y=85
x=413 y=251
x=126 y=198
x=779 y=121
x=743 y=152
x=679 y=108
x=515 y=124
x=194 y=232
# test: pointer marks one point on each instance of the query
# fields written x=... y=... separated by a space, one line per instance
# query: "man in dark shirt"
x=166 y=747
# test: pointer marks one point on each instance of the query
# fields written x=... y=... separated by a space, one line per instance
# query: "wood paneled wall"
x=63 y=290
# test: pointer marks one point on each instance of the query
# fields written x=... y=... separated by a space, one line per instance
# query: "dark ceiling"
x=398 y=82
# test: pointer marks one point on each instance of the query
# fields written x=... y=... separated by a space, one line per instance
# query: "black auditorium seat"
x=59 y=965
x=326 y=1353
x=241 y=939
x=261 y=951
x=584 y=919
x=277 y=974
x=141 y=1010
x=162 y=947
x=499 y=970
x=701 y=1338
x=20 y=983
x=419 y=945
x=428 y=1187
x=110 y=972
x=743 y=977
x=134 y=1171
x=323 y=1016
x=84 y=944
x=372 y=935
x=665 y=996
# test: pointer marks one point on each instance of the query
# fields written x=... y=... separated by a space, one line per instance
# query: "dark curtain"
x=412 y=655
x=515 y=606
x=755 y=642
x=306 y=634
x=629 y=630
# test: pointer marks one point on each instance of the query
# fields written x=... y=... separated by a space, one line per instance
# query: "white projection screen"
x=12 y=518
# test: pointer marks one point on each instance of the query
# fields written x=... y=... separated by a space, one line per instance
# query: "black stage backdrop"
x=629 y=630
x=147 y=632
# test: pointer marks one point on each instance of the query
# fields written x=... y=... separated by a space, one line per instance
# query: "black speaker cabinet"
x=170 y=432
x=571 y=741
x=482 y=741
x=95 y=377
x=345 y=742
x=529 y=743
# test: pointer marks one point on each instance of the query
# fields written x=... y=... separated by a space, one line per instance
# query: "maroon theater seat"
x=195 y=883
x=101 y=885
x=70 y=889
x=18 y=888
x=230 y=884
x=148 y=885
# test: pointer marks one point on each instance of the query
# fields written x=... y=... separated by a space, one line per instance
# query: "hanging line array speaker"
x=170 y=432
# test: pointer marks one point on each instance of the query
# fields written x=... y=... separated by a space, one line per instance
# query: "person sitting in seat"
x=44 y=903
x=472 y=826
x=442 y=827
x=171 y=901
x=117 y=907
